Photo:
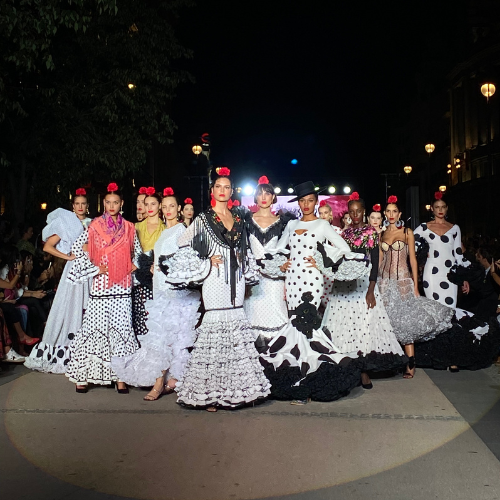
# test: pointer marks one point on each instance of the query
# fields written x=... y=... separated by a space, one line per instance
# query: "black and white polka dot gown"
x=444 y=252
x=293 y=346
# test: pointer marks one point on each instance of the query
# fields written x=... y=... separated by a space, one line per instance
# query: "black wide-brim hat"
x=304 y=189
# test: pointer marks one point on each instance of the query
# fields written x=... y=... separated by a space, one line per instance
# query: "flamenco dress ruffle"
x=470 y=344
x=172 y=316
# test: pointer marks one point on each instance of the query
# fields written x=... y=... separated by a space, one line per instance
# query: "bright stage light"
x=347 y=189
x=277 y=190
x=294 y=162
x=331 y=189
x=248 y=190
x=290 y=190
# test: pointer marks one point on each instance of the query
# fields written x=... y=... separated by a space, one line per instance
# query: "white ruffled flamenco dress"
x=223 y=370
x=171 y=319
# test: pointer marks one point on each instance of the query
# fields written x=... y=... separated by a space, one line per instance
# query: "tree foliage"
x=85 y=87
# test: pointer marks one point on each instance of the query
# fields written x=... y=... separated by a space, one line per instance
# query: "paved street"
x=437 y=436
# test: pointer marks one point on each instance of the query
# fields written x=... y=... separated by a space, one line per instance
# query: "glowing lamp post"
x=488 y=89
x=407 y=169
x=196 y=150
x=442 y=189
x=43 y=206
x=430 y=148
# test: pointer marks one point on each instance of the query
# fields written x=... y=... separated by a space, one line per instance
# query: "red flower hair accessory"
x=81 y=192
x=168 y=192
x=188 y=201
x=150 y=190
x=438 y=195
x=143 y=190
x=113 y=186
x=354 y=196
x=322 y=203
x=377 y=208
x=236 y=203
x=224 y=172
x=263 y=180
x=392 y=199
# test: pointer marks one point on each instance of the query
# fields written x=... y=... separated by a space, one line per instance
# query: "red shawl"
x=115 y=241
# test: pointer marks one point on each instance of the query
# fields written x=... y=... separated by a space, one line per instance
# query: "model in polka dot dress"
x=470 y=342
x=445 y=250
x=356 y=315
x=302 y=361
x=106 y=329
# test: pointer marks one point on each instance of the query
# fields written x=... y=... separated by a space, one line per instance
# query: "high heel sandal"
x=454 y=369
x=410 y=366
x=82 y=389
x=148 y=397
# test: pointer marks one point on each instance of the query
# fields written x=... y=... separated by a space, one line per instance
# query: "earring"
x=212 y=201
x=349 y=220
x=399 y=223
x=386 y=222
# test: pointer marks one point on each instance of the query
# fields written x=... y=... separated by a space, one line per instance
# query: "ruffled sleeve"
x=82 y=269
x=336 y=264
x=184 y=268
x=64 y=224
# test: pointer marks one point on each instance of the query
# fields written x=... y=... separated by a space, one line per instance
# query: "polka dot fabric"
x=106 y=331
x=355 y=328
x=444 y=252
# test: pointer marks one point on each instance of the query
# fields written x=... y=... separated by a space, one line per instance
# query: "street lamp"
x=488 y=89
x=430 y=148
x=407 y=169
x=442 y=188
x=196 y=150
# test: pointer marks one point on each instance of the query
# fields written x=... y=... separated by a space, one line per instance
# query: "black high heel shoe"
x=121 y=391
x=82 y=390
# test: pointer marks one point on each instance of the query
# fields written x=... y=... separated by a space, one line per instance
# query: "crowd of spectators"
x=28 y=280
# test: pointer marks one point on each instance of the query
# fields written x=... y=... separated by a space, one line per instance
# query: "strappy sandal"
x=212 y=409
x=168 y=390
x=410 y=366
x=149 y=397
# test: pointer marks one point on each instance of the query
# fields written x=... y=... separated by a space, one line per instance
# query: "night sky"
x=323 y=84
